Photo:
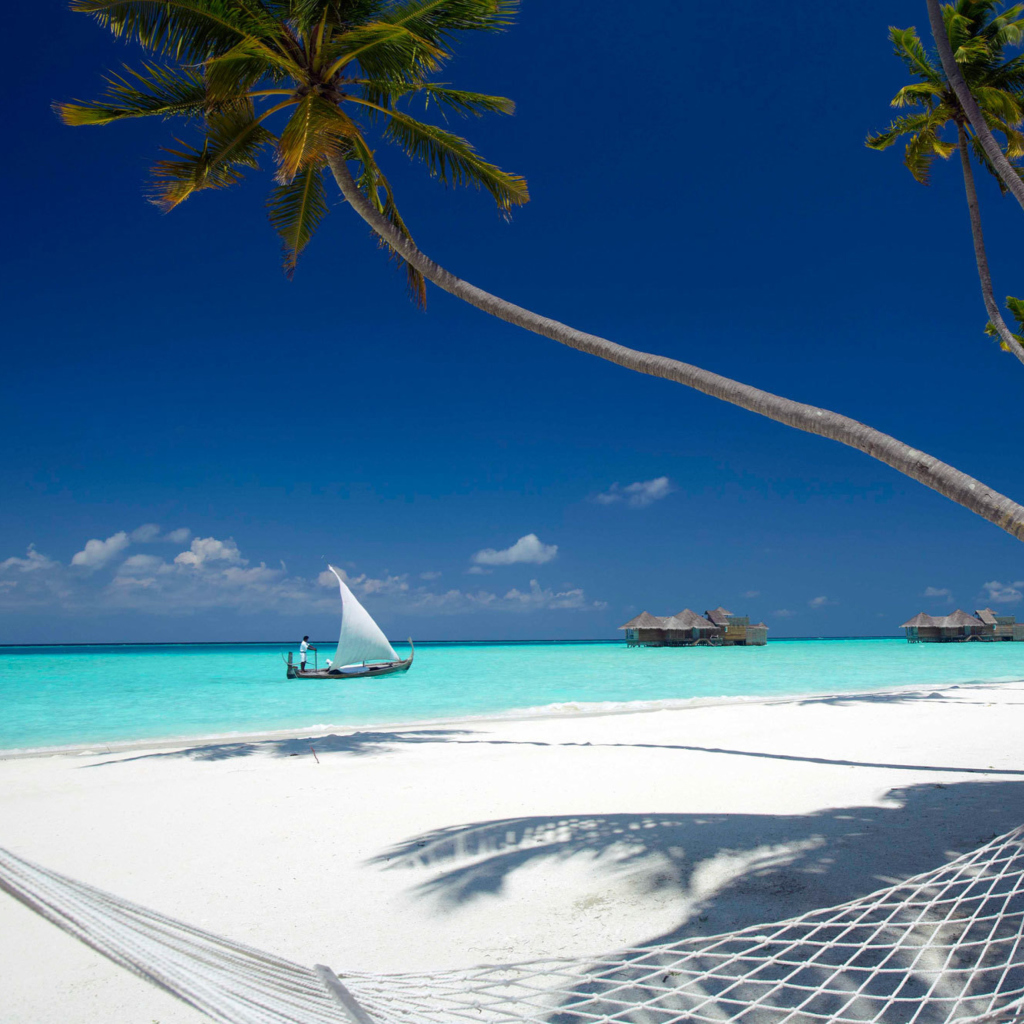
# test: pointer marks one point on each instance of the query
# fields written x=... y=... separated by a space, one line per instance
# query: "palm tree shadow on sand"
x=356 y=744
x=730 y=872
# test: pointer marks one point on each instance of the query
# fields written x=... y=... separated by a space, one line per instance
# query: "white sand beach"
x=448 y=845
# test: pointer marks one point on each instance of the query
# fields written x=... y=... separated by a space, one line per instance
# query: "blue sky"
x=699 y=188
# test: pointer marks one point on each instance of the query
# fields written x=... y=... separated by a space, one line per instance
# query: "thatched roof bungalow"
x=937 y=628
x=686 y=628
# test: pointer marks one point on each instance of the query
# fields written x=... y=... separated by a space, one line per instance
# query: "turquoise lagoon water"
x=57 y=696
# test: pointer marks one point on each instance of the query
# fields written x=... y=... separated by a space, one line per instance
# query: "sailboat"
x=363 y=649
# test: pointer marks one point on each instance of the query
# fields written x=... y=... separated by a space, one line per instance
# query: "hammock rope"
x=944 y=947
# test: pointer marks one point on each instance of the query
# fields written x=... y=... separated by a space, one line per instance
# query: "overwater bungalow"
x=717 y=628
x=959 y=627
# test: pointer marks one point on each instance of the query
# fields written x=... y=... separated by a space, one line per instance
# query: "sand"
x=453 y=844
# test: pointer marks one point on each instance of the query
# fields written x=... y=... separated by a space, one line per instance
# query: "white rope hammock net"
x=944 y=946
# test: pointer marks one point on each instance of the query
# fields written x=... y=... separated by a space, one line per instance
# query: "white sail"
x=361 y=638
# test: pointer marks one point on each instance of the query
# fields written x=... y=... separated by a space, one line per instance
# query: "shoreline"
x=563 y=711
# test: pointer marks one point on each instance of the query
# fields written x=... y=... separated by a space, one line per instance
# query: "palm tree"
x=978 y=34
x=1008 y=174
x=324 y=66
x=334 y=71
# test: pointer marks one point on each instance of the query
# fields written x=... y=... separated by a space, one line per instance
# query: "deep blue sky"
x=699 y=188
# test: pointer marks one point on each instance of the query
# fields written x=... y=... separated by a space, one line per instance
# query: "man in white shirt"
x=303 y=647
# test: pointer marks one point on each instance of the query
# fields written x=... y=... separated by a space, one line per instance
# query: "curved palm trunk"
x=1007 y=174
x=939 y=476
x=1007 y=338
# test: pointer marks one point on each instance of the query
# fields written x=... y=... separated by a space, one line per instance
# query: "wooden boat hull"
x=385 y=668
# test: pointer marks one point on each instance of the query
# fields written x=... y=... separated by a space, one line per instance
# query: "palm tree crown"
x=978 y=36
x=307 y=80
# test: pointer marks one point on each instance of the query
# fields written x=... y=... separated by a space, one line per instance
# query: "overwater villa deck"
x=716 y=628
x=959 y=627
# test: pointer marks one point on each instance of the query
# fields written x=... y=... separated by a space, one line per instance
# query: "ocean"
x=88 y=695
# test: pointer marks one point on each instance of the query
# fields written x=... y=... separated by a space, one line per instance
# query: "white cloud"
x=819 y=602
x=97 y=553
x=528 y=549
x=751 y=593
x=430 y=575
x=637 y=495
x=541 y=597
x=33 y=581
x=136 y=565
x=478 y=570
x=386 y=584
x=943 y=592
x=32 y=562
x=148 y=533
x=1003 y=593
x=212 y=573
x=209 y=549
x=783 y=613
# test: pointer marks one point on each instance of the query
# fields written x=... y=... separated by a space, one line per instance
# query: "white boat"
x=363 y=649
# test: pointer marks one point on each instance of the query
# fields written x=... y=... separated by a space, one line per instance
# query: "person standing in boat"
x=303 y=648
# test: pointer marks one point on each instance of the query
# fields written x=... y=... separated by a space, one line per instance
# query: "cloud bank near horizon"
x=211 y=573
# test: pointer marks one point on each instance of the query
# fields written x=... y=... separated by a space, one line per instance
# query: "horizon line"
x=291 y=643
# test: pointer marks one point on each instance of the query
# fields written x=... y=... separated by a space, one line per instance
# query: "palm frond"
x=1016 y=308
x=1007 y=28
x=184 y=29
x=917 y=94
x=384 y=51
x=908 y=47
x=155 y=91
x=241 y=67
x=296 y=210
x=314 y=128
x=1009 y=75
x=452 y=159
x=307 y=14
x=233 y=140
x=386 y=94
x=437 y=20
x=372 y=182
x=1014 y=143
x=921 y=150
x=973 y=50
x=909 y=124
x=998 y=103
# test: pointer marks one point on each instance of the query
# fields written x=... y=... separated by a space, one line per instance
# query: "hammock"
x=945 y=946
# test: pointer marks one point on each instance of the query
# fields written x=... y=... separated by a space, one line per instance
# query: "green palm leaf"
x=372 y=182
x=296 y=210
x=384 y=50
x=160 y=91
x=233 y=141
x=185 y=29
x=314 y=128
x=438 y=20
x=452 y=159
x=384 y=93
x=908 y=47
x=1016 y=307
